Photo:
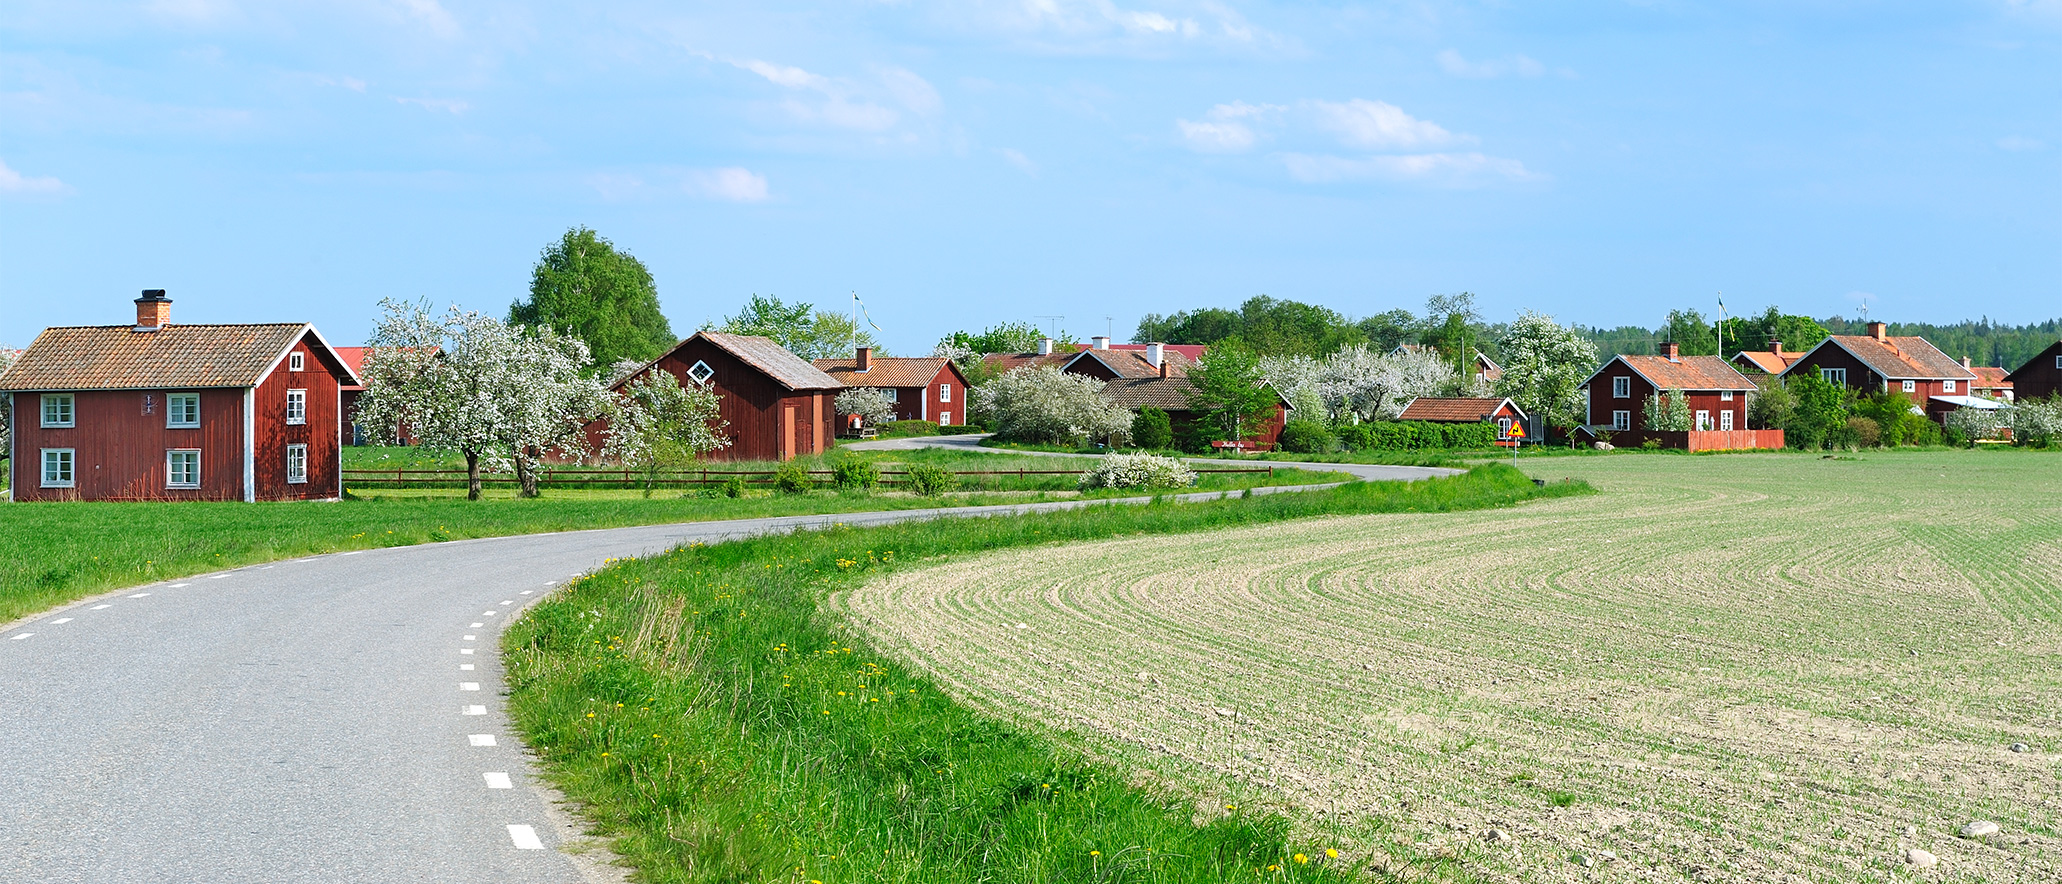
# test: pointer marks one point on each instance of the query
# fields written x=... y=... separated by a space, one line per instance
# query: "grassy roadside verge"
x=721 y=728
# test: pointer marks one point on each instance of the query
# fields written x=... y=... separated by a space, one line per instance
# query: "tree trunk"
x=472 y=475
x=526 y=472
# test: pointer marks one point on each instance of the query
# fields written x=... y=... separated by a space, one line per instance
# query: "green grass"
x=722 y=726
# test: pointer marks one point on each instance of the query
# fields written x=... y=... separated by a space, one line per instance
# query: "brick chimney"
x=865 y=359
x=1878 y=331
x=1156 y=352
x=1965 y=362
x=1045 y=346
x=1670 y=350
x=153 y=310
x=1100 y=342
x=1163 y=369
x=1775 y=345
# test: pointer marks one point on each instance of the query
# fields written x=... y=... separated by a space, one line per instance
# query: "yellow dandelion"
x=1300 y=859
x=1331 y=853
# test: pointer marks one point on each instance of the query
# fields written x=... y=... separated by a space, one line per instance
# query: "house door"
x=787 y=432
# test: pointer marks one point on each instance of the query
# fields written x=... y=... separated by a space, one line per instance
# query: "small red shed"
x=1502 y=412
x=924 y=388
x=776 y=405
x=157 y=411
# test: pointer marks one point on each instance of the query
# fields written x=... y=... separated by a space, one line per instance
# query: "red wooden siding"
x=753 y=405
x=320 y=433
x=1602 y=403
x=119 y=443
x=2037 y=379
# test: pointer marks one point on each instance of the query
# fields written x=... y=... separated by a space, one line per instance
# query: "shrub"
x=1138 y=471
x=958 y=429
x=1306 y=437
x=856 y=474
x=2037 y=423
x=930 y=480
x=1418 y=436
x=734 y=487
x=1152 y=428
x=791 y=478
x=912 y=428
x=1861 y=432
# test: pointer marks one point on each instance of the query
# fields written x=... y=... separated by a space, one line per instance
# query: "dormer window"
x=701 y=372
x=293 y=361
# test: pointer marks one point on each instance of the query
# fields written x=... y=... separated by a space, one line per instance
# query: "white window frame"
x=1725 y=395
x=70 y=458
x=701 y=373
x=894 y=395
x=297 y=454
x=1834 y=375
x=296 y=407
x=944 y=393
x=1703 y=420
x=1725 y=420
x=171 y=474
x=60 y=410
x=294 y=361
x=1911 y=386
x=944 y=418
x=1621 y=388
x=1947 y=386
x=2058 y=361
x=1621 y=420
x=172 y=419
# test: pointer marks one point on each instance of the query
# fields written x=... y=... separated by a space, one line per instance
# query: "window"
x=293 y=361
x=944 y=392
x=1834 y=375
x=1703 y=420
x=2058 y=362
x=1621 y=420
x=893 y=394
x=1725 y=420
x=182 y=468
x=1621 y=388
x=57 y=410
x=1725 y=395
x=701 y=372
x=944 y=418
x=297 y=406
x=1909 y=386
x=296 y=464
x=1945 y=386
x=57 y=468
x=182 y=410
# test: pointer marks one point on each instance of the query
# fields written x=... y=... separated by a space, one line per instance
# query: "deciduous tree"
x=1230 y=390
x=1544 y=365
x=804 y=330
x=583 y=287
x=1047 y=406
x=655 y=422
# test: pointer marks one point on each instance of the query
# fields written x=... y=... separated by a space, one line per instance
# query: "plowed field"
x=1746 y=667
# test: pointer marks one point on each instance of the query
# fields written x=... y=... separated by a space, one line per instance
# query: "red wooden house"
x=1881 y=363
x=2041 y=376
x=157 y=411
x=924 y=388
x=1717 y=395
x=1503 y=412
x=777 y=406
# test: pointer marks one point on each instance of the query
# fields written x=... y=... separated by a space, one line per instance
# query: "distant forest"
x=1279 y=327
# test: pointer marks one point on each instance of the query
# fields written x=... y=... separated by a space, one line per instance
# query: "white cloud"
x=732 y=183
x=1152 y=27
x=432 y=15
x=1452 y=169
x=352 y=83
x=1226 y=127
x=1018 y=159
x=2020 y=142
x=911 y=91
x=782 y=75
x=1451 y=62
x=1379 y=125
x=847 y=104
x=15 y=182
x=447 y=105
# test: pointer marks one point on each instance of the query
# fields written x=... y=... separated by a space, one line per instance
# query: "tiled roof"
x=885 y=371
x=1769 y=361
x=776 y=361
x=1166 y=394
x=117 y=357
x=1901 y=357
x=1991 y=378
x=1133 y=364
x=353 y=358
x=1002 y=362
x=1426 y=408
x=1692 y=373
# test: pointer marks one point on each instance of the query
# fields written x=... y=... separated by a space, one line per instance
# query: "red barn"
x=924 y=388
x=1503 y=412
x=2039 y=377
x=777 y=406
x=1717 y=395
x=158 y=411
x=1881 y=363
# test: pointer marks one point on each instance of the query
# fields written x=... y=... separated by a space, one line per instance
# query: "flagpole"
x=855 y=323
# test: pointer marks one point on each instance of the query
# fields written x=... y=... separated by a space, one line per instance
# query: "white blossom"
x=1049 y=406
x=870 y=403
x=1138 y=471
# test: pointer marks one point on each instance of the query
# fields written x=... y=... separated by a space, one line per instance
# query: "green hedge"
x=1418 y=436
x=910 y=428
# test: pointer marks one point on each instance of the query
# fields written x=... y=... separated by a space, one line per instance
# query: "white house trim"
x=250 y=444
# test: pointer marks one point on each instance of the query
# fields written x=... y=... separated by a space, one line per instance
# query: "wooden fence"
x=630 y=478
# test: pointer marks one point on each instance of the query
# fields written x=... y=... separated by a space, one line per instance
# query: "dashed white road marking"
x=475 y=710
x=139 y=595
x=465 y=667
x=470 y=638
x=478 y=625
x=21 y=635
x=100 y=607
x=498 y=780
x=220 y=576
x=508 y=601
x=61 y=620
x=468 y=686
x=528 y=591
x=266 y=568
x=465 y=650
x=525 y=838
x=179 y=586
x=351 y=553
x=480 y=739
x=486 y=613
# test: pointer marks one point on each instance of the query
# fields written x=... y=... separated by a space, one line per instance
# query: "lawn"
x=1751 y=667
x=51 y=553
x=705 y=711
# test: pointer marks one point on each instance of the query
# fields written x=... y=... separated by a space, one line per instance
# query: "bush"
x=1152 y=428
x=959 y=429
x=1138 y=471
x=734 y=487
x=1306 y=437
x=1418 y=436
x=930 y=480
x=911 y=428
x=856 y=474
x=792 y=478
x=1860 y=432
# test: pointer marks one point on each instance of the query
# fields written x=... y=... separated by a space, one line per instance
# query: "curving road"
x=972 y=442
x=331 y=719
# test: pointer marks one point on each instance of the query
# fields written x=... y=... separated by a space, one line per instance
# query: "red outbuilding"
x=923 y=388
x=157 y=411
x=1503 y=412
x=2041 y=376
x=775 y=404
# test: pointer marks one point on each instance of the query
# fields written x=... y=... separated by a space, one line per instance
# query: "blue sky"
x=960 y=164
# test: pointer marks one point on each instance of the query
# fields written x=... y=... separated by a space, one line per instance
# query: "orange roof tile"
x=1900 y=357
x=1691 y=373
x=885 y=371
x=117 y=357
x=1428 y=408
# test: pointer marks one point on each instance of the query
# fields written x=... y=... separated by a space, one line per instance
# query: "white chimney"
x=1045 y=346
x=1100 y=342
x=1154 y=354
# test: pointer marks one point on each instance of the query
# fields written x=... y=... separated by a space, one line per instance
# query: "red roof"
x=1464 y=411
x=1991 y=378
x=887 y=371
x=1768 y=361
x=1685 y=373
x=355 y=358
x=1900 y=357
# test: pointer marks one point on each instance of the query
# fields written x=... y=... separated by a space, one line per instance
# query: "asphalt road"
x=331 y=719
